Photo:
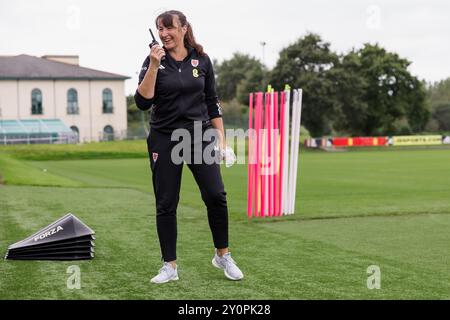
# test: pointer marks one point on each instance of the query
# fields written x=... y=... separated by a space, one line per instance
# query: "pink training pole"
x=263 y=154
x=270 y=154
x=250 y=181
x=276 y=156
x=267 y=157
x=280 y=175
x=273 y=154
x=257 y=177
x=265 y=177
x=254 y=159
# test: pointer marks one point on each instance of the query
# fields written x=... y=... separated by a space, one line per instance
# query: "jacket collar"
x=190 y=50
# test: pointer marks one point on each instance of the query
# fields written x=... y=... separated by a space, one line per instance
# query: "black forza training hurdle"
x=68 y=238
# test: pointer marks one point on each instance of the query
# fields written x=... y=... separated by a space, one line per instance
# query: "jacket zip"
x=182 y=84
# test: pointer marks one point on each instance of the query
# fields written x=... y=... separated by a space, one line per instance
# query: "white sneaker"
x=228 y=265
x=166 y=273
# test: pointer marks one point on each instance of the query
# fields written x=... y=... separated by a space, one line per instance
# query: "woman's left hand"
x=228 y=155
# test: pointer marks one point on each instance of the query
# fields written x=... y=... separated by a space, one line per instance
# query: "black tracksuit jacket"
x=184 y=93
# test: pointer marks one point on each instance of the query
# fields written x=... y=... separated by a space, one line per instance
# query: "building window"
x=108 y=133
x=36 y=101
x=75 y=129
x=77 y=132
x=107 y=101
x=72 y=101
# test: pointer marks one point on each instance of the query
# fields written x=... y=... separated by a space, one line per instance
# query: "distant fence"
x=129 y=134
x=340 y=142
x=35 y=139
x=70 y=137
x=140 y=130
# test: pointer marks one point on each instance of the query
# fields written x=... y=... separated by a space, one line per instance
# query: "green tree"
x=133 y=112
x=438 y=97
x=238 y=76
x=253 y=82
x=439 y=93
x=395 y=98
x=306 y=64
x=349 y=90
x=136 y=118
x=376 y=94
x=441 y=114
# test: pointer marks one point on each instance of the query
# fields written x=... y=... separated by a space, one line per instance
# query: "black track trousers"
x=166 y=178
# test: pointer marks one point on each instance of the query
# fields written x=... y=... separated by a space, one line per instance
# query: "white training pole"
x=297 y=144
x=285 y=167
x=292 y=148
x=291 y=153
x=296 y=148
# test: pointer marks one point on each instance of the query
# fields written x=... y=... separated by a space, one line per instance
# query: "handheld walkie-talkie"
x=154 y=42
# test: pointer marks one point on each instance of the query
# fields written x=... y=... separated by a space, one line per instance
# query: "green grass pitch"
x=353 y=210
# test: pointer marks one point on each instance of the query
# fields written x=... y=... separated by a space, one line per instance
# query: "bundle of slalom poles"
x=273 y=147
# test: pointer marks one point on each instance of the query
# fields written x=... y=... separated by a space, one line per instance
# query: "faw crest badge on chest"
x=194 y=62
x=155 y=156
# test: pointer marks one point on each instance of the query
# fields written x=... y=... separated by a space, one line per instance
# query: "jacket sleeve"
x=211 y=98
x=142 y=102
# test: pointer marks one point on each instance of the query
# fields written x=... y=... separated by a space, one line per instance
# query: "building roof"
x=34 y=68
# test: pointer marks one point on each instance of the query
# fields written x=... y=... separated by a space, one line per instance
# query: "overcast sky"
x=113 y=35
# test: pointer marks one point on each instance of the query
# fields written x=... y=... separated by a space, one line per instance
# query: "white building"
x=90 y=102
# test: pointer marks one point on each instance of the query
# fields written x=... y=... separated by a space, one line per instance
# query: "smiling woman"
x=181 y=93
x=174 y=29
